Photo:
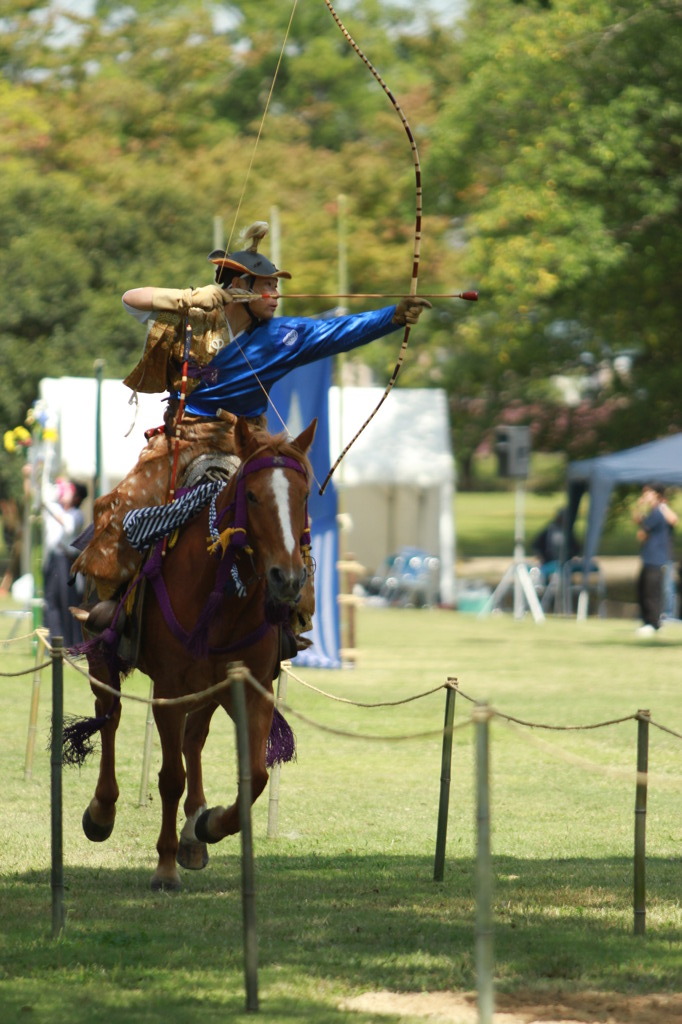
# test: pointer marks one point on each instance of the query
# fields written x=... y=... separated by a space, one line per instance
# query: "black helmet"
x=248 y=262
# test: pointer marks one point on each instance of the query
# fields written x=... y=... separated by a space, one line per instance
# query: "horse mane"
x=282 y=444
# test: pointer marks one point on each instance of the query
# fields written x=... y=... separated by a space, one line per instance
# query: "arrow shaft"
x=470 y=296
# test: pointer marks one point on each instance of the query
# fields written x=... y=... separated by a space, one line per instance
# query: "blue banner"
x=300 y=397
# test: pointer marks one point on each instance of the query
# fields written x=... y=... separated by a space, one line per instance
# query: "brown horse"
x=203 y=610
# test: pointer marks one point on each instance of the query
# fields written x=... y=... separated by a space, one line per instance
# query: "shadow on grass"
x=349 y=922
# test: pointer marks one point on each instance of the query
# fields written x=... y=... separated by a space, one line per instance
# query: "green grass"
x=485 y=522
x=346 y=901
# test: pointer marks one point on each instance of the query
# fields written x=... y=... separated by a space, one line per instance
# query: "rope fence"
x=479 y=718
x=238 y=669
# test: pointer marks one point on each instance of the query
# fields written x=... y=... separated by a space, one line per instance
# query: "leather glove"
x=409 y=309
x=177 y=300
x=211 y=296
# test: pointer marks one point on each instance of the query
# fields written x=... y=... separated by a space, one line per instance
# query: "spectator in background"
x=63 y=522
x=655 y=522
x=11 y=535
x=552 y=548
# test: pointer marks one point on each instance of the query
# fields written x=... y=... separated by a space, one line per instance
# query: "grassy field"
x=346 y=902
x=485 y=523
x=485 y=516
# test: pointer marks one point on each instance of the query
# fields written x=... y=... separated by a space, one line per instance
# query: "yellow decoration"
x=222 y=542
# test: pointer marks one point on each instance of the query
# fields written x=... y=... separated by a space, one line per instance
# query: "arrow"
x=468 y=296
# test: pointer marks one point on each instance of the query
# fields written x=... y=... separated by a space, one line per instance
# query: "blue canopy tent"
x=659 y=461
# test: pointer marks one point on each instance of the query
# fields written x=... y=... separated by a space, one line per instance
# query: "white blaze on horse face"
x=280 y=487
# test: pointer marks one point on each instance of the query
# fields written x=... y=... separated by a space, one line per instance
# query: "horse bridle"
x=237 y=531
x=231 y=541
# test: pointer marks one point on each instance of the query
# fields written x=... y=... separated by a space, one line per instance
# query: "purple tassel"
x=281 y=745
x=105 y=648
x=85 y=647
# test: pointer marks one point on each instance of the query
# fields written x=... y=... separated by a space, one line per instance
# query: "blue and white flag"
x=300 y=397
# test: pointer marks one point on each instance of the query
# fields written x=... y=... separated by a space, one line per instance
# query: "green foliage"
x=124 y=137
x=563 y=141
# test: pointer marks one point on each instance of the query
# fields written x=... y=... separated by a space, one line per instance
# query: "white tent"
x=396 y=485
x=72 y=401
x=397 y=481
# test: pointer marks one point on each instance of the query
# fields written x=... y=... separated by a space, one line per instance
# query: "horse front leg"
x=213 y=825
x=100 y=814
x=170 y=724
x=192 y=852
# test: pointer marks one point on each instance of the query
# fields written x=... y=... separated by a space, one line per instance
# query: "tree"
x=123 y=134
x=561 y=145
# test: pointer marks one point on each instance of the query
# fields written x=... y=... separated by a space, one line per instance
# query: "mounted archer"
x=217 y=350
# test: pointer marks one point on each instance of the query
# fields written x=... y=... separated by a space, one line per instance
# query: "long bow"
x=417 y=231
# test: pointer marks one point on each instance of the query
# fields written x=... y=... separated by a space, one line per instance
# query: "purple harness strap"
x=152 y=571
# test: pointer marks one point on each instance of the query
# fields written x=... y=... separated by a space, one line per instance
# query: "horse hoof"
x=201 y=829
x=192 y=855
x=94 y=832
x=165 y=884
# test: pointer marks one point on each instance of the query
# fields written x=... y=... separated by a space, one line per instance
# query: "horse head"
x=274 y=479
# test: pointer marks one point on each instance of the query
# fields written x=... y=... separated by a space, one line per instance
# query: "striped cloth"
x=145 y=526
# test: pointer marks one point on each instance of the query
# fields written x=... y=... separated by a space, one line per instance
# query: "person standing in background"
x=63 y=521
x=655 y=521
x=551 y=546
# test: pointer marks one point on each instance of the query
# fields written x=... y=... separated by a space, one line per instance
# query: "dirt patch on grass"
x=525 y=1007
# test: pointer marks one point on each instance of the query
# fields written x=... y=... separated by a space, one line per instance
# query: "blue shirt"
x=255 y=360
x=656 y=548
x=272 y=349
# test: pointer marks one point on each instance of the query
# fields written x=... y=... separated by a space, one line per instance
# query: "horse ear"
x=305 y=439
x=242 y=436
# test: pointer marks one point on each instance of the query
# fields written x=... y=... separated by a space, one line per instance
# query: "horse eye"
x=250 y=496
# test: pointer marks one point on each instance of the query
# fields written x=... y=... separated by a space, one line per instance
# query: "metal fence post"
x=643 y=717
x=445 y=773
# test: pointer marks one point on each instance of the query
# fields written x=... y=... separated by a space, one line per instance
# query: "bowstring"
x=261 y=125
x=417 y=230
x=234 y=340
